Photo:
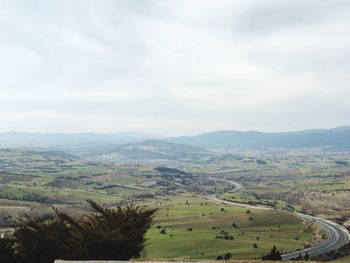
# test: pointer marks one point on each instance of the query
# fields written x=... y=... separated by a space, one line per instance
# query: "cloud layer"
x=174 y=67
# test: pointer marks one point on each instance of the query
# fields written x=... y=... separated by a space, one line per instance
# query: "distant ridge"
x=150 y=151
x=70 y=140
x=337 y=137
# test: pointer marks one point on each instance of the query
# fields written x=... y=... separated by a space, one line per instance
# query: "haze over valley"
x=174 y=130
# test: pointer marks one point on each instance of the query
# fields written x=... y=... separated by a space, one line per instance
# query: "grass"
x=71 y=195
x=294 y=178
x=271 y=227
x=53 y=177
x=245 y=198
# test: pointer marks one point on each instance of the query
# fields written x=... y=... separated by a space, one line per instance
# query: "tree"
x=273 y=255
x=227 y=256
x=7 y=253
x=108 y=234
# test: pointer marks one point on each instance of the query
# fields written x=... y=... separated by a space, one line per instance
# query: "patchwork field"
x=187 y=225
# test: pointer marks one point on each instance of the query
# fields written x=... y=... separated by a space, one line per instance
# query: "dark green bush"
x=7 y=252
x=273 y=255
x=227 y=256
x=108 y=234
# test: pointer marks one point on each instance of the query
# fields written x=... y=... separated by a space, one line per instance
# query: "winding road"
x=337 y=235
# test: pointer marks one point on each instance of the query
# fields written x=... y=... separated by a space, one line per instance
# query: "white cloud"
x=173 y=66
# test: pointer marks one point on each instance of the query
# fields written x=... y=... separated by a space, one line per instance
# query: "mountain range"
x=337 y=138
x=140 y=146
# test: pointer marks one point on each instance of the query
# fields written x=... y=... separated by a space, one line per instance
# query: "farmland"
x=187 y=225
x=192 y=227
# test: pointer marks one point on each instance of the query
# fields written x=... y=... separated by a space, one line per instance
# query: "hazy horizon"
x=170 y=135
x=161 y=67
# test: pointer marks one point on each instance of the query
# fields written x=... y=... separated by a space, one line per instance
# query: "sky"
x=174 y=67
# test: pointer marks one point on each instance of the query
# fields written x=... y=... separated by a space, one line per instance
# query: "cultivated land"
x=190 y=226
x=187 y=224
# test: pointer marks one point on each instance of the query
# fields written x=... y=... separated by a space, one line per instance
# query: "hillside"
x=133 y=145
x=149 y=151
x=337 y=138
x=68 y=141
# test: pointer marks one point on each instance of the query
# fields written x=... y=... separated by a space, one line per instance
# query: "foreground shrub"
x=108 y=234
x=7 y=253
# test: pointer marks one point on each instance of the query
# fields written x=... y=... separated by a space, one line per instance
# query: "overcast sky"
x=174 y=66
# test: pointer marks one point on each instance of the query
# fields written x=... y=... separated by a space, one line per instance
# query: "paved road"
x=337 y=236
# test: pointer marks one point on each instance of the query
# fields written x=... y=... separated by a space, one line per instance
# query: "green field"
x=207 y=220
x=32 y=181
x=249 y=199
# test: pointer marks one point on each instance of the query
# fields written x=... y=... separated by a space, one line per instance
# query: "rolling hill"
x=68 y=141
x=140 y=146
x=151 y=151
x=337 y=138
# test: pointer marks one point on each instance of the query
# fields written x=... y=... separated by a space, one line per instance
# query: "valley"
x=188 y=225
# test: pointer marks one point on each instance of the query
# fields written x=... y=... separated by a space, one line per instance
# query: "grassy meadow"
x=187 y=227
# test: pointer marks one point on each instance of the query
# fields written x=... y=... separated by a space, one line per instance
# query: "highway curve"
x=337 y=235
